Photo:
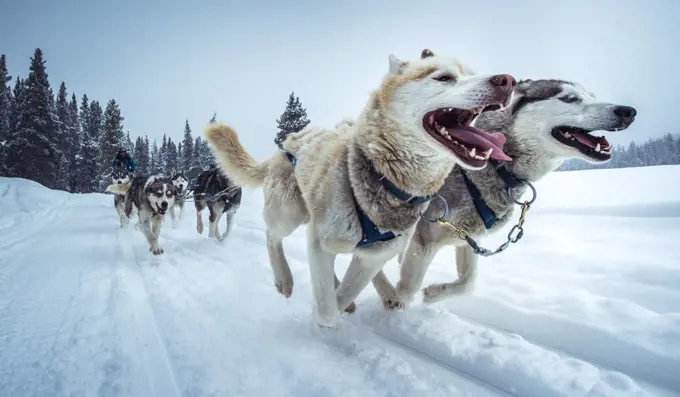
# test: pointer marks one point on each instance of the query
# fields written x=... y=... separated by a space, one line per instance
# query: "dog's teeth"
x=443 y=131
x=598 y=148
x=567 y=135
x=487 y=154
x=447 y=136
x=472 y=152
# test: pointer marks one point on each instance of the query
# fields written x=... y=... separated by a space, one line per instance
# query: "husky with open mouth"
x=362 y=190
x=152 y=197
x=548 y=122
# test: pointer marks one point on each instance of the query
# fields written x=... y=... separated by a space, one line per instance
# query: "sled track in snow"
x=157 y=362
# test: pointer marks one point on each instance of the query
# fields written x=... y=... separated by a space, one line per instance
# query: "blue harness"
x=488 y=216
x=370 y=232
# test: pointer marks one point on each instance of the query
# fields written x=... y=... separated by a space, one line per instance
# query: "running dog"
x=220 y=195
x=152 y=196
x=548 y=122
x=362 y=190
x=180 y=181
x=121 y=177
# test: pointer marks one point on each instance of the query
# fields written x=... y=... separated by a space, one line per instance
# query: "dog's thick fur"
x=211 y=183
x=537 y=108
x=152 y=197
x=338 y=171
x=181 y=183
x=121 y=177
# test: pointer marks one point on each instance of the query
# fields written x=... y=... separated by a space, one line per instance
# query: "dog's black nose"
x=164 y=204
x=504 y=81
x=181 y=187
x=119 y=182
x=626 y=113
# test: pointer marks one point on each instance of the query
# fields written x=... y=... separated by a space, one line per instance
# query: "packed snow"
x=587 y=304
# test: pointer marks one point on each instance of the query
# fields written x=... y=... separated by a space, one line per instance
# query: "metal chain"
x=514 y=235
x=209 y=197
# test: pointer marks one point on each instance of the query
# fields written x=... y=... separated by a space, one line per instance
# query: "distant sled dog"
x=547 y=122
x=152 y=196
x=121 y=177
x=220 y=196
x=181 y=183
x=361 y=189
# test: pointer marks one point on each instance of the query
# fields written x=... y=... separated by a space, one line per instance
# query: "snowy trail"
x=85 y=310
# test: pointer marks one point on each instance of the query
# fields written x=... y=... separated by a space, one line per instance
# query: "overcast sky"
x=168 y=61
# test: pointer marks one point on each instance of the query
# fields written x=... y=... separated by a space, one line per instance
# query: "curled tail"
x=233 y=158
x=118 y=189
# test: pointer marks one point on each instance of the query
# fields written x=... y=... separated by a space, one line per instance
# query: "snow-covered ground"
x=587 y=304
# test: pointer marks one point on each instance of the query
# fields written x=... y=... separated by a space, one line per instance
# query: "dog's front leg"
x=181 y=211
x=466 y=262
x=321 y=263
x=124 y=220
x=230 y=221
x=151 y=238
x=415 y=262
x=388 y=294
x=362 y=269
x=173 y=217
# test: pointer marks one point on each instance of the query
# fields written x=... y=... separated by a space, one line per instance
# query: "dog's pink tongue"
x=585 y=139
x=482 y=140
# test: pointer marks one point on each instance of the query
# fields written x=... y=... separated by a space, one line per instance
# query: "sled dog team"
x=152 y=197
x=439 y=156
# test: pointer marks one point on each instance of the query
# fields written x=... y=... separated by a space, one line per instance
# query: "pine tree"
x=75 y=149
x=112 y=139
x=293 y=119
x=180 y=158
x=65 y=145
x=171 y=157
x=155 y=159
x=195 y=167
x=187 y=147
x=146 y=156
x=90 y=121
x=33 y=149
x=5 y=112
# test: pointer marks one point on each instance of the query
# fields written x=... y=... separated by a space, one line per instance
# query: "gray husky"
x=548 y=122
x=121 y=177
x=152 y=196
x=221 y=196
x=181 y=183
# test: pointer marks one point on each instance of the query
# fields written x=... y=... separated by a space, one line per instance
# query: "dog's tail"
x=233 y=158
x=118 y=189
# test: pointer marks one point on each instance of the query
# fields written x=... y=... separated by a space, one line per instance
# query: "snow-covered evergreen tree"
x=170 y=157
x=90 y=122
x=32 y=149
x=75 y=149
x=5 y=111
x=64 y=142
x=156 y=164
x=112 y=139
x=187 y=147
x=293 y=119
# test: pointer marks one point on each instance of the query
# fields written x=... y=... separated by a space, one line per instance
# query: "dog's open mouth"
x=452 y=128
x=160 y=210
x=592 y=146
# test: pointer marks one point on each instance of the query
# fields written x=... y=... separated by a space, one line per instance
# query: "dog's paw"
x=433 y=293
x=326 y=320
x=199 y=229
x=156 y=249
x=351 y=308
x=393 y=304
x=284 y=288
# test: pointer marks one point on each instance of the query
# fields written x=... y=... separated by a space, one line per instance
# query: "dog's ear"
x=397 y=66
x=426 y=54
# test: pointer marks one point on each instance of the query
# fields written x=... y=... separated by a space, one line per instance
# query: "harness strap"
x=370 y=231
x=485 y=212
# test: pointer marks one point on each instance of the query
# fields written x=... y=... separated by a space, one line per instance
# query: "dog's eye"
x=445 y=78
x=569 y=99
